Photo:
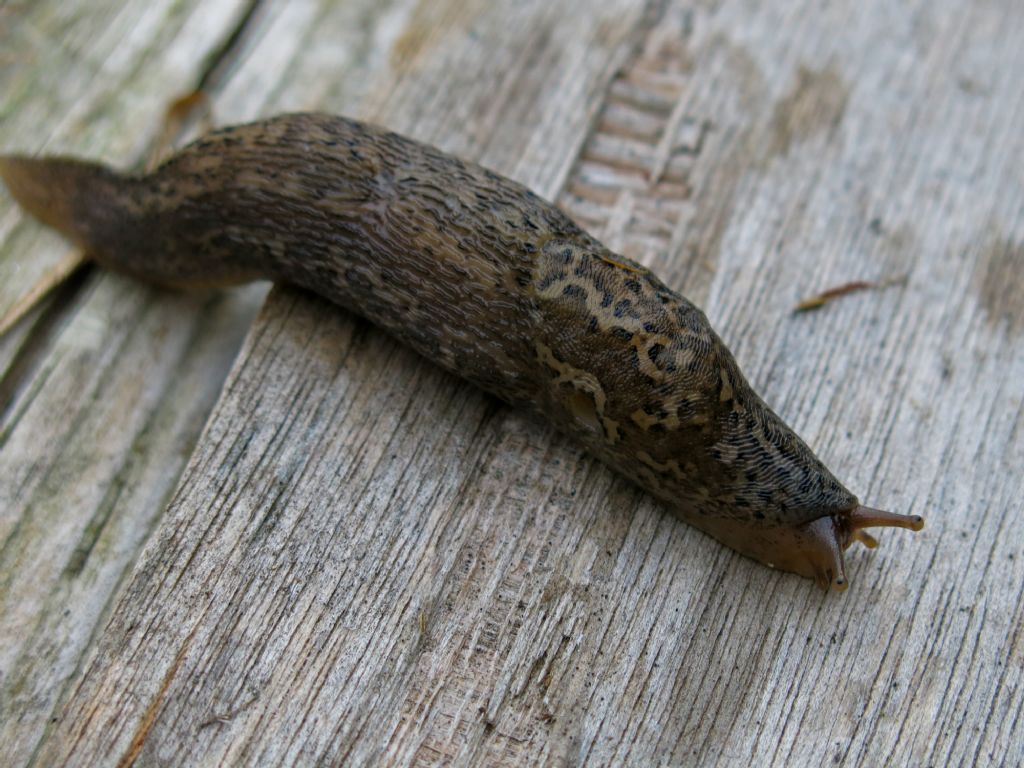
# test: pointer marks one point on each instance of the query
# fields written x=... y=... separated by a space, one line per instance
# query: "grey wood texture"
x=106 y=385
x=367 y=560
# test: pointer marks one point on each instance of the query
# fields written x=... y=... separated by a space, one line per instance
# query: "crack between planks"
x=52 y=319
x=220 y=61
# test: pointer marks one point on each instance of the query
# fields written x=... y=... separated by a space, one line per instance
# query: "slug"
x=496 y=285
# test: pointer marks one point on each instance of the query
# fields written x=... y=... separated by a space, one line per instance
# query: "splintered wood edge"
x=50 y=279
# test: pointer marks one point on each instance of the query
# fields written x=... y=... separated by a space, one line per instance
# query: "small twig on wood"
x=821 y=299
x=178 y=114
x=619 y=264
x=230 y=715
x=49 y=280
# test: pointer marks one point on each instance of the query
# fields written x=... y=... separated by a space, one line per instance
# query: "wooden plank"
x=368 y=560
x=92 y=449
x=104 y=386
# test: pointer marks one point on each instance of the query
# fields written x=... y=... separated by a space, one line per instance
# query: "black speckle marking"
x=621 y=333
x=575 y=291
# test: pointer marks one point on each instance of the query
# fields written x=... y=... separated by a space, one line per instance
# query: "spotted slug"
x=496 y=285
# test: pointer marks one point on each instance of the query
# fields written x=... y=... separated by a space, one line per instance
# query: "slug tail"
x=64 y=193
x=121 y=223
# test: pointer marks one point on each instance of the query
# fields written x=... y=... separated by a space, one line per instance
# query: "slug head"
x=816 y=549
x=813 y=549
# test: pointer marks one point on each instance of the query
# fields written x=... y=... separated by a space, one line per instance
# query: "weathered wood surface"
x=104 y=387
x=366 y=559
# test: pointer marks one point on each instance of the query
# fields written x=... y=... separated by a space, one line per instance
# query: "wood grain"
x=105 y=385
x=368 y=561
x=92 y=447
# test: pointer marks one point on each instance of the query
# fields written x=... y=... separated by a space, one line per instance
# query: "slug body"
x=490 y=281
